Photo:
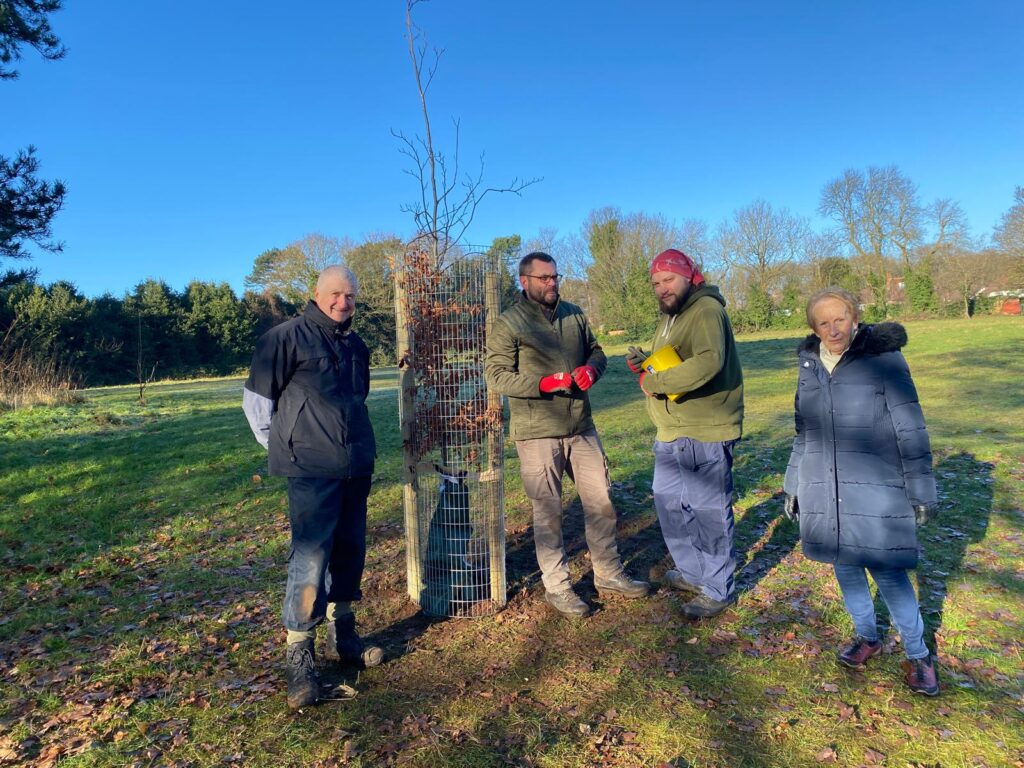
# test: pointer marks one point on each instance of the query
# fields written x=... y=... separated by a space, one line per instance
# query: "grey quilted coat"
x=861 y=457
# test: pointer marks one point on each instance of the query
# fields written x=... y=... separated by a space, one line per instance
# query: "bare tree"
x=1009 y=233
x=761 y=242
x=448 y=198
x=142 y=378
x=963 y=274
x=879 y=217
x=951 y=228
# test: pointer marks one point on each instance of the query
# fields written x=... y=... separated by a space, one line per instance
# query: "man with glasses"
x=543 y=355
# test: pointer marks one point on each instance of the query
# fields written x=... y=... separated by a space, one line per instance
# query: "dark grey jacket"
x=861 y=458
x=305 y=398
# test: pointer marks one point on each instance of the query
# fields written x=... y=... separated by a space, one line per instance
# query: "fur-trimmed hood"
x=870 y=340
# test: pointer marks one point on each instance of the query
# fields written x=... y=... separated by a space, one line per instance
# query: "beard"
x=672 y=303
x=546 y=297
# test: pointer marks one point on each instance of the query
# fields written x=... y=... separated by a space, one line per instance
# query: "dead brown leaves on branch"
x=447 y=325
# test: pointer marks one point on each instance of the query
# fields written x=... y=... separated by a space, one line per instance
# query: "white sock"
x=298 y=637
x=337 y=610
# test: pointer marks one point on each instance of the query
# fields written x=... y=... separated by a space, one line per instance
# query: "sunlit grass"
x=143 y=549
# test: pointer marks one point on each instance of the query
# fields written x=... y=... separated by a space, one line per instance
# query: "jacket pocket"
x=289 y=430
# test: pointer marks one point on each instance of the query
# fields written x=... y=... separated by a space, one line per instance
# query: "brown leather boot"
x=921 y=677
x=857 y=651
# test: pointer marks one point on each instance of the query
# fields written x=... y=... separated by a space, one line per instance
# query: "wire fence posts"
x=452 y=433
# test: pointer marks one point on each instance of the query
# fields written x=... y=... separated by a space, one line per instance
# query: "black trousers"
x=328 y=552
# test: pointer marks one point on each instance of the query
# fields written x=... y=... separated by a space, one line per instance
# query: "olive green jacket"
x=709 y=378
x=523 y=347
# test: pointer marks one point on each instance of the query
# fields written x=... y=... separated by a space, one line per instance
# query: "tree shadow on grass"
x=70 y=496
x=965 y=506
x=966 y=489
x=757 y=556
x=768 y=354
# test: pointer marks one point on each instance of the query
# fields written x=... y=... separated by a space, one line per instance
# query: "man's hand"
x=791 y=509
x=635 y=359
x=584 y=376
x=642 y=375
x=923 y=513
x=556 y=382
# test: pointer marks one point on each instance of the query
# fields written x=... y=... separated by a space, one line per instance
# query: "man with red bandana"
x=698 y=425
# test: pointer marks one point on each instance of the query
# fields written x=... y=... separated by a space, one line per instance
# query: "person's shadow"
x=756 y=555
x=965 y=487
x=965 y=506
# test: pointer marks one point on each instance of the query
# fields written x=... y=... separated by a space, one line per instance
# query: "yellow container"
x=662 y=360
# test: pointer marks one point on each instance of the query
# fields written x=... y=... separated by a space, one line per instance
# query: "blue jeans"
x=898 y=593
x=328 y=521
x=693 y=496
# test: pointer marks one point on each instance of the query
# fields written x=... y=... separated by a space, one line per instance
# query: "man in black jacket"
x=305 y=400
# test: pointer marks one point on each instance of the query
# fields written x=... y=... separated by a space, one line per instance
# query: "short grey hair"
x=338 y=270
x=833 y=292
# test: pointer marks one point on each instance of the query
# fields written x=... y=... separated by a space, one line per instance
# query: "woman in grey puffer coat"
x=860 y=476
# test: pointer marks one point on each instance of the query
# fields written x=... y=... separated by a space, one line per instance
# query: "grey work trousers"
x=543 y=461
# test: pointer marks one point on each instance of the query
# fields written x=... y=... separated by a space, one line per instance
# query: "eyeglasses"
x=546 y=279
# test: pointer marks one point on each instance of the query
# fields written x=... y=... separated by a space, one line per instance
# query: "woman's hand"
x=925 y=512
x=791 y=509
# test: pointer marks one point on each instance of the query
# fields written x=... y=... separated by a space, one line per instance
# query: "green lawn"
x=143 y=551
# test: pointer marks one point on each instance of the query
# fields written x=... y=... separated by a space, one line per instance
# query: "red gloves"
x=635 y=359
x=642 y=375
x=556 y=382
x=584 y=376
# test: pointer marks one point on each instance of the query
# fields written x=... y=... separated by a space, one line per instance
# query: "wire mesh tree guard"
x=452 y=434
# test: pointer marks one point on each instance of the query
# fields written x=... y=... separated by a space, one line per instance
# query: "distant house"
x=1008 y=306
x=895 y=289
x=1004 y=302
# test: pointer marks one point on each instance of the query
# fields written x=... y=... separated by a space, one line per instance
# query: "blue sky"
x=195 y=135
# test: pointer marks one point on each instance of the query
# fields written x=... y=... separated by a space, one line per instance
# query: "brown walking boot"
x=921 y=677
x=858 y=651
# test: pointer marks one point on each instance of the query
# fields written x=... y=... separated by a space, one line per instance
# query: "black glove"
x=923 y=513
x=791 y=509
x=635 y=359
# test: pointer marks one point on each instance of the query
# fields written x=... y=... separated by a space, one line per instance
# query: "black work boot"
x=621 y=585
x=345 y=646
x=567 y=603
x=675 y=580
x=300 y=672
x=704 y=607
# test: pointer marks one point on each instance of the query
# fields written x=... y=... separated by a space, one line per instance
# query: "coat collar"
x=314 y=314
x=870 y=340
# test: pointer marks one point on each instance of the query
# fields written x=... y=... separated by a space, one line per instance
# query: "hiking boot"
x=567 y=603
x=675 y=580
x=345 y=646
x=921 y=677
x=704 y=607
x=300 y=673
x=621 y=586
x=859 y=650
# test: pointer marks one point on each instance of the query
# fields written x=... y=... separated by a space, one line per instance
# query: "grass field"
x=143 y=547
